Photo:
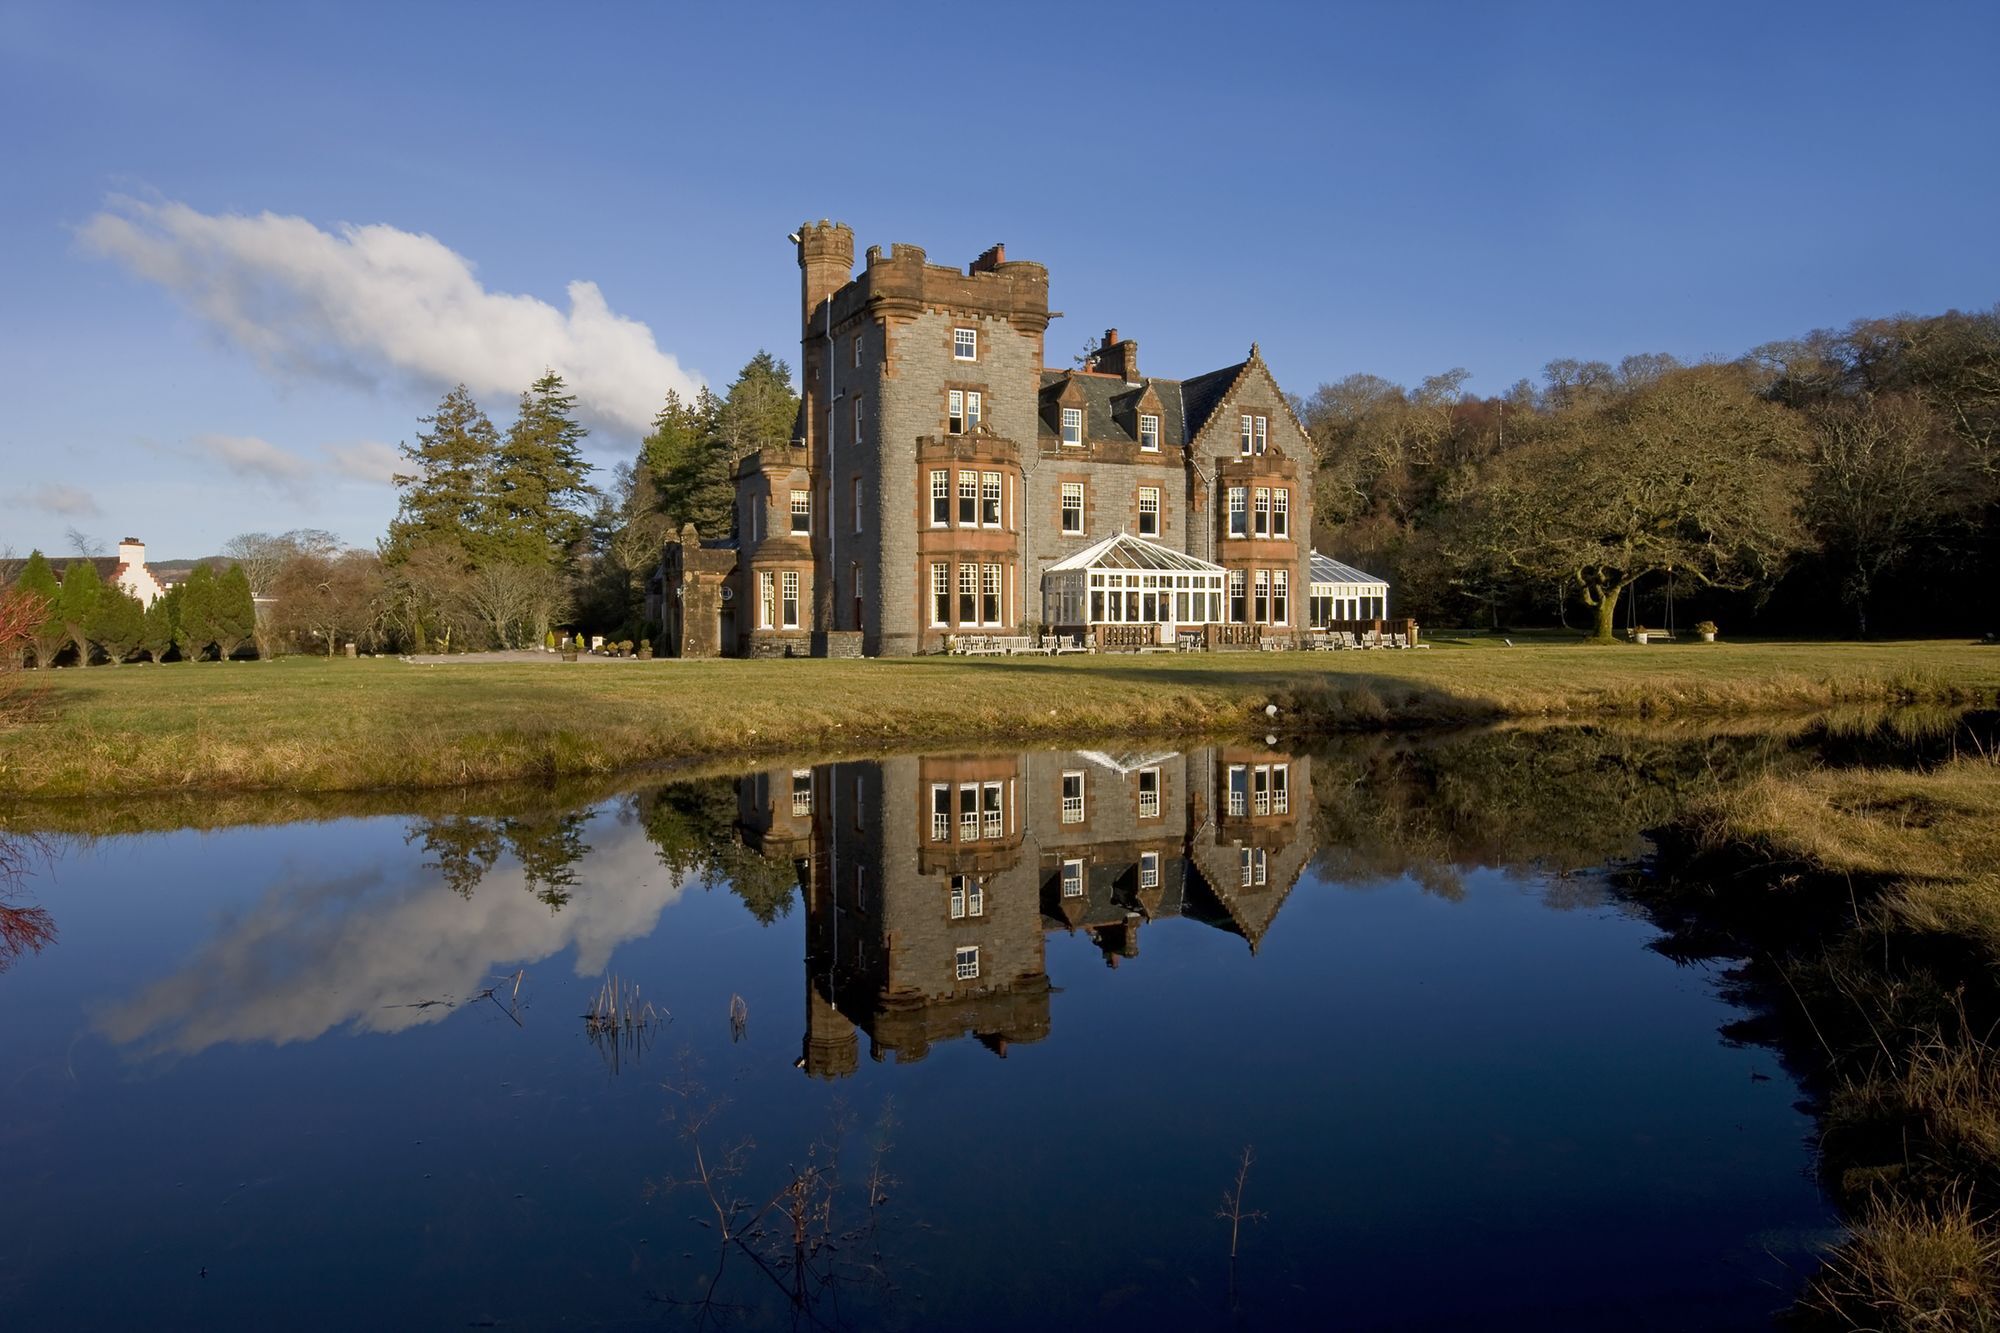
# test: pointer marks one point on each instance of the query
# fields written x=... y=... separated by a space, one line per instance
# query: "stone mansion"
x=943 y=479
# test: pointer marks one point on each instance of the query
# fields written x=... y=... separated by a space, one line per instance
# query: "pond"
x=973 y=1041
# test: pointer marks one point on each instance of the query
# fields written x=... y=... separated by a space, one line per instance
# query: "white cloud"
x=258 y=460
x=365 y=302
x=63 y=501
x=364 y=460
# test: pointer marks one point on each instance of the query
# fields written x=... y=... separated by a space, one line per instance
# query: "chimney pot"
x=1111 y=337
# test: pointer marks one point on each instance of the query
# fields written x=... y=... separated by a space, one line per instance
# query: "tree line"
x=80 y=619
x=1849 y=479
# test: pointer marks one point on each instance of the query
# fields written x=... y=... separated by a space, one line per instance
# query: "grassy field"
x=310 y=725
x=1869 y=902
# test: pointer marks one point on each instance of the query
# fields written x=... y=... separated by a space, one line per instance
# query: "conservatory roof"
x=1325 y=569
x=1125 y=551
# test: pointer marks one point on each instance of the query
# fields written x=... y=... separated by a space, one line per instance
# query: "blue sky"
x=1394 y=188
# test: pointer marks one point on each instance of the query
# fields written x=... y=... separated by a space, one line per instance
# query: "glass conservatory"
x=1127 y=580
x=1342 y=593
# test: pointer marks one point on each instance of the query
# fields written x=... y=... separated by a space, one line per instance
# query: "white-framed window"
x=1238 y=603
x=1149 y=511
x=1149 y=793
x=940 y=807
x=1072 y=425
x=1263 y=597
x=965 y=344
x=957 y=897
x=802 y=792
x=975 y=898
x=1255 y=863
x=1262 y=434
x=802 y=521
x=973 y=410
x=965 y=961
x=992 y=810
x=1239 y=515
x=968 y=812
x=857 y=504
x=1072 y=798
x=1281 y=789
x=940 y=594
x=968 y=897
x=1260 y=789
x=1149 y=432
x=1239 y=789
x=1072 y=507
x=1247 y=438
x=1281 y=512
x=940 y=498
x=1149 y=870
x=1072 y=879
x=788 y=580
x=857 y=351
x=968 y=499
x=954 y=411
x=989 y=594
x=1281 y=601
x=989 y=499
x=1261 y=522
x=859 y=419
x=968 y=594
x=767 y=599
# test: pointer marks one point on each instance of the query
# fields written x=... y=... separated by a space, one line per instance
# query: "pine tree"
x=117 y=624
x=539 y=481
x=761 y=410
x=161 y=625
x=234 y=612
x=77 y=603
x=443 y=495
x=194 y=630
x=688 y=460
x=36 y=577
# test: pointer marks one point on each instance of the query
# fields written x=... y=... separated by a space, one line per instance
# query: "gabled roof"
x=1325 y=569
x=1201 y=395
x=1124 y=551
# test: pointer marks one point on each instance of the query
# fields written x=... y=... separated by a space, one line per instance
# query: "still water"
x=964 y=1041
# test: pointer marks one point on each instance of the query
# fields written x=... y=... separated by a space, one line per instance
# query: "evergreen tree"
x=688 y=460
x=161 y=625
x=77 y=603
x=539 y=479
x=443 y=495
x=36 y=577
x=234 y=612
x=761 y=409
x=195 y=625
x=117 y=624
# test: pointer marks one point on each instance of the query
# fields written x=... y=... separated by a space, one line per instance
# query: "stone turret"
x=826 y=264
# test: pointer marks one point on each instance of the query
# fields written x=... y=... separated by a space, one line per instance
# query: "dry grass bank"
x=313 y=725
x=1872 y=898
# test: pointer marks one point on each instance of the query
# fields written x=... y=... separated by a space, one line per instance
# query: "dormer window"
x=1072 y=425
x=1149 y=433
x=965 y=344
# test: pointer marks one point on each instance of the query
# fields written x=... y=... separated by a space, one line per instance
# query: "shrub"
x=1705 y=627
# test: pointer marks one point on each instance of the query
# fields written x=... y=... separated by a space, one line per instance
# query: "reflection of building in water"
x=930 y=882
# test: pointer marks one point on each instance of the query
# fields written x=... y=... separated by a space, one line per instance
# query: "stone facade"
x=931 y=884
x=931 y=445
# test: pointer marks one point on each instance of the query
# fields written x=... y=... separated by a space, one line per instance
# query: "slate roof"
x=1201 y=395
x=108 y=567
x=1110 y=403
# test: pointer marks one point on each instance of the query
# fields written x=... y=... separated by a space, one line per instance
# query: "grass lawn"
x=312 y=725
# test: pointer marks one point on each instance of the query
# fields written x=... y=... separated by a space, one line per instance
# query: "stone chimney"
x=132 y=551
x=992 y=258
x=1114 y=357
